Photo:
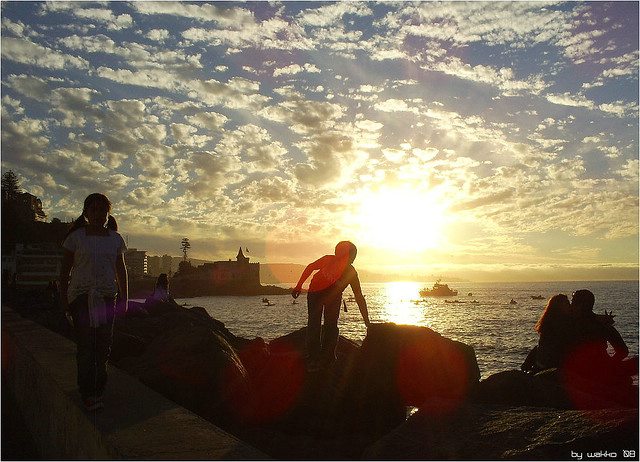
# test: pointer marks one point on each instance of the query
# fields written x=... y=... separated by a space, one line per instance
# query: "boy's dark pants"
x=93 y=347
x=324 y=349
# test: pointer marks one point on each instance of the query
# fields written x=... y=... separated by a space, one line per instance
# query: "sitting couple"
x=574 y=340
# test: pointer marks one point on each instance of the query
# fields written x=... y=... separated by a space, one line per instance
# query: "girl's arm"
x=311 y=267
x=65 y=271
x=123 y=283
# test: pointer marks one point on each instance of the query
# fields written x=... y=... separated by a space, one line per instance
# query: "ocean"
x=501 y=333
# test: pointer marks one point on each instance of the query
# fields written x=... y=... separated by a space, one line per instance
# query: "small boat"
x=513 y=302
x=453 y=301
x=537 y=297
x=438 y=290
x=265 y=300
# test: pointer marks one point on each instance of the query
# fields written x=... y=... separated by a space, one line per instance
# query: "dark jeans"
x=93 y=347
x=322 y=342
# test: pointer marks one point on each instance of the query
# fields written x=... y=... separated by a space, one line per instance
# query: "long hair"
x=163 y=281
x=551 y=312
x=81 y=221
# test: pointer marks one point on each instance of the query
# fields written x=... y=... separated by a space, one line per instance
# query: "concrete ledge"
x=39 y=368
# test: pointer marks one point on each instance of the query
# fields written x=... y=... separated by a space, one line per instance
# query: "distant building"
x=136 y=261
x=35 y=264
x=222 y=273
x=157 y=265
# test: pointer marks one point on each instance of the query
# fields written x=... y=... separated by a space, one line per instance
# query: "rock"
x=401 y=366
x=550 y=388
x=125 y=344
x=482 y=432
x=194 y=366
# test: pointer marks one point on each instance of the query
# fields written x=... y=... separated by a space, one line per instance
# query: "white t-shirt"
x=94 y=269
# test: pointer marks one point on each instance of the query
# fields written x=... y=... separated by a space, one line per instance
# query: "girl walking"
x=92 y=277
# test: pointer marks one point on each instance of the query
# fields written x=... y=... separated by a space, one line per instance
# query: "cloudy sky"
x=464 y=138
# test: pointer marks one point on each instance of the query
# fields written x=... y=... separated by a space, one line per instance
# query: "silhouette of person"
x=161 y=290
x=552 y=328
x=334 y=274
x=93 y=276
x=591 y=334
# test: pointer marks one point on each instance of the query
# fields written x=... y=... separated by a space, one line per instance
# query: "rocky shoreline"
x=357 y=408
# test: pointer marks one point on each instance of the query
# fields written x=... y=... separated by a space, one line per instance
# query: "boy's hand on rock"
x=295 y=292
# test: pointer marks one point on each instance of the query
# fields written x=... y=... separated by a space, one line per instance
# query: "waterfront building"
x=157 y=265
x=136 y=262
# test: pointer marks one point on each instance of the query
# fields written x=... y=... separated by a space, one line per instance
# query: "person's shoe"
x=93 y=403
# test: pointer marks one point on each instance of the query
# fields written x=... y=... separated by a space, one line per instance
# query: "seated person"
x=552 y=328
x=161 y=290
x=588 y=356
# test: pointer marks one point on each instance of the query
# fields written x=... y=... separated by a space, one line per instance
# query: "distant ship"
x=438 y=290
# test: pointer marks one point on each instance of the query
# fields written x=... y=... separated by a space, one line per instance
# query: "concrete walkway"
x=137 y=423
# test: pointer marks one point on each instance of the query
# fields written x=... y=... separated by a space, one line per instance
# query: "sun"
x=401 y=219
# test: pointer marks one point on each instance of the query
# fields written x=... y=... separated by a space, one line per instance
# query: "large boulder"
x=185 y=355
x=400 y=366
x=281 y=388
x=194 y=366
x=484 y=432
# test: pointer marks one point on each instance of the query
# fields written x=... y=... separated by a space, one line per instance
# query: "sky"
x=480 y=140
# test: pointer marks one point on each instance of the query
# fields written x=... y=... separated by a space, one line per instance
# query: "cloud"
x=236 y=93
x=75 y=105
x=273 y=189
x=209 y=120
x=29 y=86
x=208 y=172
x=224 y=15
x=275 y=34
x=329 y=14
x=304 y=116
x=30 y=53
x=184 y=134
x=99 y=15
x=502 y=78
x=254 y=147
x=567 y=99
x=157 y=35
x=295 y=69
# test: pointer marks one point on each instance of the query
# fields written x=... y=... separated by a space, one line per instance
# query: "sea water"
x=500 y=332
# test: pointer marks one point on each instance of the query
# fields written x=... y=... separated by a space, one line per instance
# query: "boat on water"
x=537 y=297
x=438 y=290
x=513 y=302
